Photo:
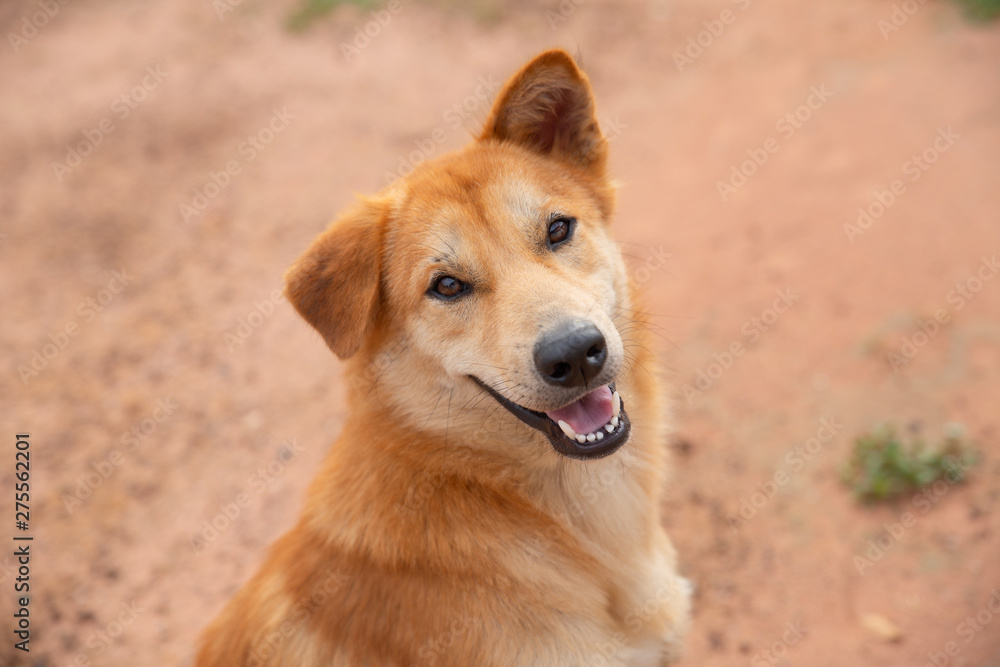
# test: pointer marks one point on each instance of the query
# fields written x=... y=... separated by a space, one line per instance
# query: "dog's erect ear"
x=335 y=284
x=548 y=107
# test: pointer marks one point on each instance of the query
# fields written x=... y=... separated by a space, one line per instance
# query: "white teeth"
x=581 y=438
x=616 y=408
x=567 y=429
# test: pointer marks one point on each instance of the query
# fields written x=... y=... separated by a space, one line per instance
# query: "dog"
x=493 y=498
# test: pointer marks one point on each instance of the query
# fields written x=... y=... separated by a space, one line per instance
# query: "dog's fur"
x=441 y=530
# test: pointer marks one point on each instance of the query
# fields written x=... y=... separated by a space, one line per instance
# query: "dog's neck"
x=417 y=475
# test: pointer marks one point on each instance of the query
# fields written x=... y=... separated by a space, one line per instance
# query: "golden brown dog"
x=493 y=498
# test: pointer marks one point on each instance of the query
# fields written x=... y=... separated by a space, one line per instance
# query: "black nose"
x=571 y=354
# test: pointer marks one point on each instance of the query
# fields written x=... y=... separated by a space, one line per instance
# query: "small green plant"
x=980 y=10
x=883 y=467
x=310 y=10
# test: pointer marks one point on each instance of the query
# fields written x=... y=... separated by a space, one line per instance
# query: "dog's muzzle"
x=591 y=427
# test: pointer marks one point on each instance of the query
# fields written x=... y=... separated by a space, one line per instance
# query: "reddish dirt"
x=167 y=334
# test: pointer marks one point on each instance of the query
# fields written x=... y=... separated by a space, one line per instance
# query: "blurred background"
x=810 y=199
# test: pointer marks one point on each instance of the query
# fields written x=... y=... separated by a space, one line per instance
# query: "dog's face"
x=489 y=270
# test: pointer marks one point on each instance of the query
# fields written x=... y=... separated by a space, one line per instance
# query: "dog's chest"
x=642 y=598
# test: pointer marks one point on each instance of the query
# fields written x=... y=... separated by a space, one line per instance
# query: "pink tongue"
x=587 y=414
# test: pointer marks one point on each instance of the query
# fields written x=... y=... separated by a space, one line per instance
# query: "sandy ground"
x=177 y=381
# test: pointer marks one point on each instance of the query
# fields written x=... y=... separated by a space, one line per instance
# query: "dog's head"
x=490 y=269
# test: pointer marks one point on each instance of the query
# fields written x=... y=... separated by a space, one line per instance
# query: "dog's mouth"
x=591 y=427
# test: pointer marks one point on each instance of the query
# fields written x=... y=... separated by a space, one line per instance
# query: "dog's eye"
x=447 y=287
x=560 y=230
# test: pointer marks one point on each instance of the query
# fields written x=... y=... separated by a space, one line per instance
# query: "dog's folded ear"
x=335 y=284
x=548 y=108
